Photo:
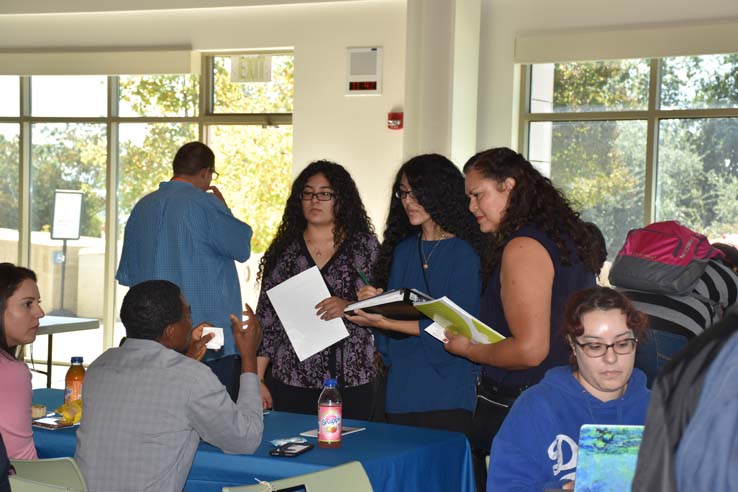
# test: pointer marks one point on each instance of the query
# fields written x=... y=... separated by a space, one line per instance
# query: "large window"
x=633 y=141
x=77 y=132
x=9 y=169
x=9 y=187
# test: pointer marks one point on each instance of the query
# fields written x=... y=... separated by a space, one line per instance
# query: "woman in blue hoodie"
x=536 y=446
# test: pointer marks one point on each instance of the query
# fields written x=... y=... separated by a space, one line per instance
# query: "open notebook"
x=607 y=457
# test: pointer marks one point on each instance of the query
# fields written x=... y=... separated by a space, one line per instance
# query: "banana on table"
x=71 y=412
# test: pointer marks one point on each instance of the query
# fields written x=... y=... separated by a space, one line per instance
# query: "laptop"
x=607 y=457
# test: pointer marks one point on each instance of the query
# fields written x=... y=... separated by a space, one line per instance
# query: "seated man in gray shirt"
x=146 y=405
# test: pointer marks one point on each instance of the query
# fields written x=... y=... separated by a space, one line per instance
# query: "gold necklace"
x=426 y=259
x=315 y=248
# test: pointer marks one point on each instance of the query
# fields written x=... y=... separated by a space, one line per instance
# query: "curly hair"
x=350 y=217
x=599 y=245
x=438 y=186
x=149 y=307
x=532 y=200
x=599 y=299
x=11 y=277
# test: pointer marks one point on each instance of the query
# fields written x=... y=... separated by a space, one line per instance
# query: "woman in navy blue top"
x=538 y=253
x=429 y=244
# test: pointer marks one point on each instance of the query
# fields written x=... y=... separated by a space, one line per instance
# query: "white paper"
x=217 y=341
x=295 y=300
x=437 y=331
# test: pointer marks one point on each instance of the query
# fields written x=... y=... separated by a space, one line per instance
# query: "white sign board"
x=67 y=214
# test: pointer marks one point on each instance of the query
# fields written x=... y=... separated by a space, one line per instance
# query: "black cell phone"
x=291 y=449
x=294 y=488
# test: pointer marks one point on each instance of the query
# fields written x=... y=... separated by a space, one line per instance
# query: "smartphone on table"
x=291 y=449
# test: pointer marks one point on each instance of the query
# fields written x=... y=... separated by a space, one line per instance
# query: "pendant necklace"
x=316 y=249
x=426 y=259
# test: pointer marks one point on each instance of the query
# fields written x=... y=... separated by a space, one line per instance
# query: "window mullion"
x=206 y=96
x=111 y=212
x=652 y=135
x=24 y=185
x=524 y=110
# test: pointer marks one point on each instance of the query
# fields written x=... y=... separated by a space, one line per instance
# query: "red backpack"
x=664 y=258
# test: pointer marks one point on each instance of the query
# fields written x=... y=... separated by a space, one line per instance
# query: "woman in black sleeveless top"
x=538 y=253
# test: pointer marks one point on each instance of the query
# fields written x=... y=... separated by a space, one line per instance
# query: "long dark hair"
x=533 y=200
x=11 y=277
x=348 y=211
x=438 y=186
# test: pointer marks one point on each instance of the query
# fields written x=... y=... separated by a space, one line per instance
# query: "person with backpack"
x=684 y=284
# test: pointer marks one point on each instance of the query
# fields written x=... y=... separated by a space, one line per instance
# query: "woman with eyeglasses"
x=430 y=244
x=20 y=312
x=324 y=225
x=536 y=447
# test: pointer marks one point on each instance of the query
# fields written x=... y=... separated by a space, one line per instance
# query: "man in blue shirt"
x=185 y=233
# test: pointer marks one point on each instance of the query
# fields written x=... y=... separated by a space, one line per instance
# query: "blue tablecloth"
x=395 y=457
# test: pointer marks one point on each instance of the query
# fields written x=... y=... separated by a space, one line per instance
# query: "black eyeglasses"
x=322 y=196
x=216 y=174
x=595 y=349
x=404 y=194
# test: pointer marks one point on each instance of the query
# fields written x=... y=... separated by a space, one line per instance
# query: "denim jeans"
x=658 y=349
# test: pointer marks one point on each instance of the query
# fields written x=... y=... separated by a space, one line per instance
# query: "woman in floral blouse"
x=324 y=225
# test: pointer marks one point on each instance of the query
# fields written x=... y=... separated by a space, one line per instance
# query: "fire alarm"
x=394 y=120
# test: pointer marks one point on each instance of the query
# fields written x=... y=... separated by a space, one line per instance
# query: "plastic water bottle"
x=74 y=380
x=330 y=408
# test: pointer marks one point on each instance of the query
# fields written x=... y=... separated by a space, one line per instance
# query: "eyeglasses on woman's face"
x=405 y=194
x=322 y=196
x=595 y=349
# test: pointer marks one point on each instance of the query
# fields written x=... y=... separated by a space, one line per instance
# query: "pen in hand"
x=362 y=276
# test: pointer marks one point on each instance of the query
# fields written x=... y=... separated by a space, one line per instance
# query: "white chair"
x=350 y=476
x=62 y=472
x=18 y=484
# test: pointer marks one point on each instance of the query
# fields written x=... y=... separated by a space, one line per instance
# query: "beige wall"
x=502 y=20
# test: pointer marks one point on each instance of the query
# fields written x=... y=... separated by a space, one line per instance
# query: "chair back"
x=18 y=484
x=349 y=476
x=62 y=472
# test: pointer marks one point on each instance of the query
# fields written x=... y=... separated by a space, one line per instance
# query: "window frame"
x=204 y=119
x=652 y=115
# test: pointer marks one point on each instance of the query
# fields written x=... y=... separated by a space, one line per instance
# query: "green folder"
x=454 y=319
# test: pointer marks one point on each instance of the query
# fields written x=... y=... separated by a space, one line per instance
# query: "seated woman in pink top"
x=20 y=309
